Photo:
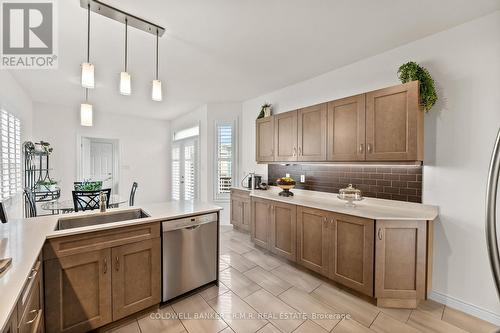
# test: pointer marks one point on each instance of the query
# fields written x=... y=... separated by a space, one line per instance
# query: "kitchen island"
x=26 y=241
x=379 y=248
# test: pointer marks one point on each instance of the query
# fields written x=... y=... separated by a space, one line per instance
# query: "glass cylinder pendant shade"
x=86 y=116
x=156 y=93
x=87 y=75
x=125 y=83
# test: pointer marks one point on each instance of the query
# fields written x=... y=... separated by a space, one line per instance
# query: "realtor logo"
x=28 y=34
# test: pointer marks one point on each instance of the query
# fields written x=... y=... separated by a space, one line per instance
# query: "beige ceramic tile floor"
x=263 y=293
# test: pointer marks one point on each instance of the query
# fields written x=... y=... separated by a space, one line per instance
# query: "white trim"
x=468 y=308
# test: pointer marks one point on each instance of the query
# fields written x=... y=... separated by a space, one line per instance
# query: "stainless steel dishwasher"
x=189 y=247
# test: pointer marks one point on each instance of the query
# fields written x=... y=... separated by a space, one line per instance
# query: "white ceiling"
x=230 y=50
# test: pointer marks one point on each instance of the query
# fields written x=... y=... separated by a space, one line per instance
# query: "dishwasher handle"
x=192 y=227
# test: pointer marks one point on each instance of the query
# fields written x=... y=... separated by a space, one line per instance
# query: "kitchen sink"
x=99 y=218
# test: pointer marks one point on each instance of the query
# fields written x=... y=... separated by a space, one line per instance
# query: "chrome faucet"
x=102 y=202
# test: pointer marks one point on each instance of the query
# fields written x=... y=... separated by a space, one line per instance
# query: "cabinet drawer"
x=29 y=286
x=32 y=317
x=69 y=245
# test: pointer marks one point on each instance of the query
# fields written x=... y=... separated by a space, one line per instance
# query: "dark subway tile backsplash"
x=403 y=183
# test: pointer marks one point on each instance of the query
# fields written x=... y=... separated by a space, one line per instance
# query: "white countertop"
x=23 y=239
x=372 y=208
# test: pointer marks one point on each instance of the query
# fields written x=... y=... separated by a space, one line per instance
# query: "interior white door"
x=184 y=170
x=99 y=161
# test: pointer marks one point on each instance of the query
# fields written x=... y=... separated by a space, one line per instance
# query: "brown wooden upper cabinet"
x=346 y=129
x=312 y=133
x=382 y=125
x=285 y=136
x=394 y=124
x=264 y=139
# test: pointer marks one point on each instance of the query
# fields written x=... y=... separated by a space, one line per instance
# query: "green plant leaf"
x=411 y=71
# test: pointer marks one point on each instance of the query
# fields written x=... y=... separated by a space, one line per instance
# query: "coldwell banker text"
x=28 y=34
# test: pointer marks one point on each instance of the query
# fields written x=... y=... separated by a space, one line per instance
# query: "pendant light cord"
x=88 y=33
x=156 y=54
x=126 y=42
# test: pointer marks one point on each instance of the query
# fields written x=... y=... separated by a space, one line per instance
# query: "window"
x=185 y=164
x=224 y=159
x=10 y=148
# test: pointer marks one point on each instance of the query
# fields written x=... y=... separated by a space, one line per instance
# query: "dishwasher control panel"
x=188 y=221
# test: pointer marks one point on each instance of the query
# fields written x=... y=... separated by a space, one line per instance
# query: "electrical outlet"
x=287 y=175
x=302 y=178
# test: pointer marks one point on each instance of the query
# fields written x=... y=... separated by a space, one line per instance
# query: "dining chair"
x=29 y=203
x=132 y=194
x=89 y=200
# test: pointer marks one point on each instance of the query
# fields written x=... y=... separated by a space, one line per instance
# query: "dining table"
x=66 y=206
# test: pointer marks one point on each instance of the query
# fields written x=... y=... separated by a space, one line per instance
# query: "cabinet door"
x=237 y=211
x=285 y=136
x=312 y=133
x=394 y=124
x=352 y=252
x=11 y=326
x=136 y=277
x=246 y=215
x=264 y=139
x=346 y=129
x=261 y=217
x=313 y=239
x=78 y=292
x=283 y=230
x=400 y=263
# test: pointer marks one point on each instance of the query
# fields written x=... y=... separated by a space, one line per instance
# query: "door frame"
x=116 y=159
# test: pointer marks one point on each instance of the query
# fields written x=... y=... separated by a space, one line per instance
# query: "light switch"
x=302 y=178
x=287 y=175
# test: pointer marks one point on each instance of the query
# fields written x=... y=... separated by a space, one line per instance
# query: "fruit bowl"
x=286 y=184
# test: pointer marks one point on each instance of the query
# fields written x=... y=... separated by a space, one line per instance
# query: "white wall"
x=459 y=137
x=15 y=100
x=144 y=149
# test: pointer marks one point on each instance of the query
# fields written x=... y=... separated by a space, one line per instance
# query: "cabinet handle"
x=35 y=317
x=33 y=273
x=379 y=233
x=361 y=148
x=300 y=150
x=369 y=147
x=294 y=151
x=117 y=263
x=105 y=265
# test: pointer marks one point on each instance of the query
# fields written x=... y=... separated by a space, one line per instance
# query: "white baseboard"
x=466 y=307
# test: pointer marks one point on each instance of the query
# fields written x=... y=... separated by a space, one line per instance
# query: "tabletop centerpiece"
x=286 y=184
x=350 y=195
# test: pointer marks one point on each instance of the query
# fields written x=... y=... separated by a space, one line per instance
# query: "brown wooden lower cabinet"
x=240 y=210
x=400 y=270
x=261 y=222
x=274 y=227
x=87 y=290
x=388 y=260
x=352 y=252
x=283 y=236
x=313 y=239
x=136 y=277
x=78 y=292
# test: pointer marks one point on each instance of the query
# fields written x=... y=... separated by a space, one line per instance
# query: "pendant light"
x=125 y=76
x=156 y=93
x=86 y=112
x=87 y=67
